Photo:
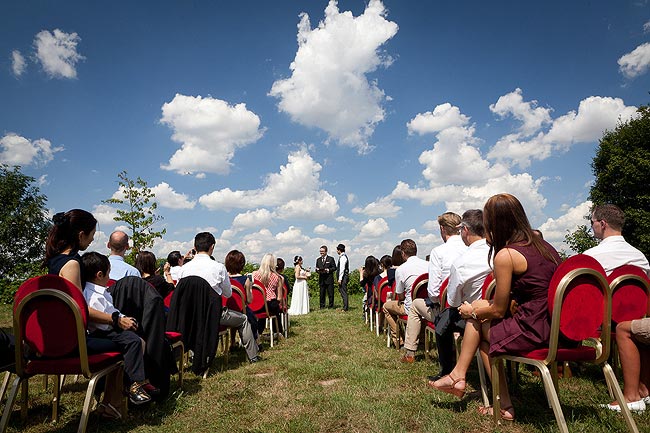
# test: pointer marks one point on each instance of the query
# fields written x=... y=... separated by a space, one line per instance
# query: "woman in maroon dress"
x=516 y=320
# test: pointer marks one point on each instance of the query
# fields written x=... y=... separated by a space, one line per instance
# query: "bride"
x=300 y=294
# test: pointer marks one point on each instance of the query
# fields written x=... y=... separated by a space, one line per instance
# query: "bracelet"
x=474 y=315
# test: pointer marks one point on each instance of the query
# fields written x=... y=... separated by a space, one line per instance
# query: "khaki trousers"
x=393 y=309
x=419 y=310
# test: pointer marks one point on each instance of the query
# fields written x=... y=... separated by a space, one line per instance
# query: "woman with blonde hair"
x=273 y=286
x=516 y=320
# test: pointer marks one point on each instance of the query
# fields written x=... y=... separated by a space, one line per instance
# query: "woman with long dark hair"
x=516 y=320
x=145 y=262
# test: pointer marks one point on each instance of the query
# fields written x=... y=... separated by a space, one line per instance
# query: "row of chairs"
x=584 y=305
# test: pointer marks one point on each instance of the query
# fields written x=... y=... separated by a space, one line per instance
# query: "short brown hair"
x=409 y=248
x=449 y=222
x=611 y=213
x=235 y=262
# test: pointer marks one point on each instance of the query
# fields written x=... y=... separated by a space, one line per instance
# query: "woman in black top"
x=145 y=262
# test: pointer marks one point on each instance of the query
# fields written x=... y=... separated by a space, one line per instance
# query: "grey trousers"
x=234 y=319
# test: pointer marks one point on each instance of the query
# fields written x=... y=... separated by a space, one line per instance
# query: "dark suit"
x=326 y=268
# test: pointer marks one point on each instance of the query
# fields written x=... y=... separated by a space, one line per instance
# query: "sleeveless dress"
x=529 y=328
x=300 y=296
x=56 y=263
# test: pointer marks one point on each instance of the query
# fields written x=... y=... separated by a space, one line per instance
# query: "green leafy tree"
x=23 y=229
x=580 y=240
x=622 y=170
x=139 y=212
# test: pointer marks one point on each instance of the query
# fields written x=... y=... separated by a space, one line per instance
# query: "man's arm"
x=435 y=276
x=455 y=287
x=226 y=288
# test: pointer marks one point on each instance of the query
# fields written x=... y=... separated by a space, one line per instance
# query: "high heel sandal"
x=506 y=412
x=450 y=388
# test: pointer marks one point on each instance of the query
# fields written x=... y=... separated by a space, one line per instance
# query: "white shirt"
x=343 y=260
x=120 y=268
x=97 y=297
x=440 y=261
x=175 y=272
x=614 y=251
x=405 y=276
x=211 y=271
x=467 y=274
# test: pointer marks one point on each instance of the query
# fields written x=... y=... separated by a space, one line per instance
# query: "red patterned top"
x=271 y=287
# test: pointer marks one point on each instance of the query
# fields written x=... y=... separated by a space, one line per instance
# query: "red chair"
x=176 y=343
x=50 y=318
x=379 y=299
x=284 y=309
x=430 y=328
x=580 y=305
x=630 y=299
x=418 y=290
x=261 y=309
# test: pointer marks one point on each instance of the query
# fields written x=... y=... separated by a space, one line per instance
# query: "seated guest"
x=466 y=278
x=145 y=262
x=633 y=341
x=113 y=325
x=523 y=267
x=368 y=274
x=405 y=276
x=204 y=266
x=235 y=262
x=175 y=261
x=613 y=251
x=396 y=260
x=440 y=261
x=279 y=268
x=118 y=243
x=273 y=284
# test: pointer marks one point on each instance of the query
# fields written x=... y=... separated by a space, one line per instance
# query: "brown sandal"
x=451 y=388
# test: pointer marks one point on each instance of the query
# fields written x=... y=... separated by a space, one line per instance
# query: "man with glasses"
x=326 y=266
x=613 y=251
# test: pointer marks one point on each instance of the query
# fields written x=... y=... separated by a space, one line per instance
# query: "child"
x=107 y=323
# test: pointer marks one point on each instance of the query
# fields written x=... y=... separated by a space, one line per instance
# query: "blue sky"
x=281 y=126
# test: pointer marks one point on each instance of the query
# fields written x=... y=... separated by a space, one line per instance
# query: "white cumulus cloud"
x=210 y=130
x=253 y=219
x=374 y=228
x=57 y=53
x=167 y=197
x=329 y=88
x=442 y=117
x=382 y=207
x=18 y=64
x=18 y=150
x=554 y=229
x=322 y=229
x=531 y=116
x=636 y=62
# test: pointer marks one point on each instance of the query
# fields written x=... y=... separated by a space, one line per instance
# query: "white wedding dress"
x=300 y=296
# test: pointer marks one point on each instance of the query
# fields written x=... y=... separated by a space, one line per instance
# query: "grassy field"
x=331 y=375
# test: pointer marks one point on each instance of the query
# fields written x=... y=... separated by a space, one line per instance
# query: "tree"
x=580 y=240
x=23 y=229
x=139 y=215
x=622 y=170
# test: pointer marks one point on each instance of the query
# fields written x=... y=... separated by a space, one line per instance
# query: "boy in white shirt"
x=107 y=323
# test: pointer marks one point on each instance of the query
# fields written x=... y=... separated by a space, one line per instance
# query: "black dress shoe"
x=137 y=395
x=255 y=359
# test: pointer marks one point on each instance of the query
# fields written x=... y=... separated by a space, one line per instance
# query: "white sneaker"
x=646 y=399
x=634 y=406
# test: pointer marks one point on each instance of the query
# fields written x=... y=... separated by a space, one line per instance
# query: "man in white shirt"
x=405 y=276
x=118 y=243
x=613 y=251
x=440 y=261
x=343 y=274
x=204 y=266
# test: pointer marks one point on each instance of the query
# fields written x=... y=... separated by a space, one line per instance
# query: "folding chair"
x=380 y=293
x=580 y=305
x=175 y=340
x=429 y=327
x=50 y=318
x=418 y=290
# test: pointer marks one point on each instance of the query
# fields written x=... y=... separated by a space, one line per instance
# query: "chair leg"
x=377 y=322
x=11 y=399
x=612 y=383
x=5 y=384
x=483 y=379
x=270 y=319
x=57 y=396
x=24 y=398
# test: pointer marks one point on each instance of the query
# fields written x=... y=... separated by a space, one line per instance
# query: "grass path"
x=333 y=375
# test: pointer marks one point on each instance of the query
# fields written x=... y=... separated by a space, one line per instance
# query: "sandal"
x=506 y=412
x=450 y=388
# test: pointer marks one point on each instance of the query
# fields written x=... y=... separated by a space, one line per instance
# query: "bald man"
x=118 y=243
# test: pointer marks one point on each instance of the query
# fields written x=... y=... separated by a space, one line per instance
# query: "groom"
x=325 y=266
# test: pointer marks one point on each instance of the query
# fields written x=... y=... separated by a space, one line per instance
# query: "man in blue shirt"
x=118 y=243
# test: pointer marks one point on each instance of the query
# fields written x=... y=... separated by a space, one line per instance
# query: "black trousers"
x=343 y=290
x=126 y=342
x=449 y=321
x=274 y=310
x=326 y=288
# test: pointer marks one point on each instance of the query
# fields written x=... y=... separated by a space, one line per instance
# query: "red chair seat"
x=173 y=337
x=404 y=317
x=579 y=354
x=96 y=362
x=430 y=325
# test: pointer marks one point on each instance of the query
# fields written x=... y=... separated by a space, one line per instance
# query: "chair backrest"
x=419 y=288
x=235 y=283
x=630 y=293
x=236 y=301
x=489 y=284
x=382 y=288
x=50 y=317
x=443 y=293
x=258 y=304
x=168 y=299
x=579 y=302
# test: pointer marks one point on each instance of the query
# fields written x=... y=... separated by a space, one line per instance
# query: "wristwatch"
x=474 y=315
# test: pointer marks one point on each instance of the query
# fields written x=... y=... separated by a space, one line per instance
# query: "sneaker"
x=137 y=395
x=646 y=399
x=634 y=406
x=255 y=359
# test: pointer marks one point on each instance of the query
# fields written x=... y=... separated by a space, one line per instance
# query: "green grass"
x=331 y=375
